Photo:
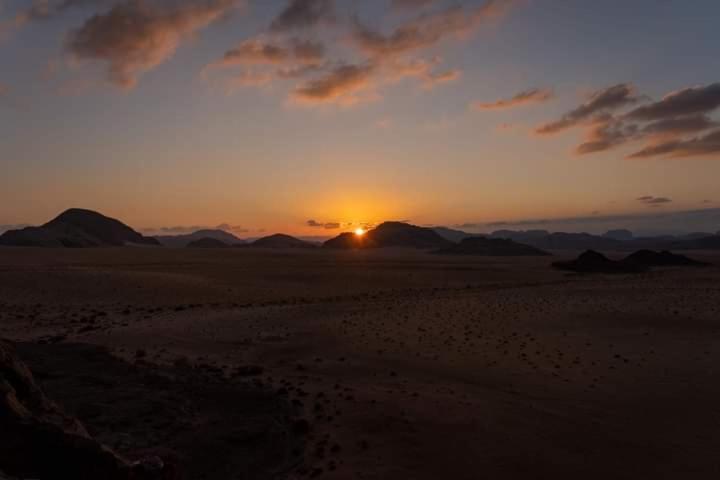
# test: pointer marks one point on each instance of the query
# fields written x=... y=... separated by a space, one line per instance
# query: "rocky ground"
x=374 y=365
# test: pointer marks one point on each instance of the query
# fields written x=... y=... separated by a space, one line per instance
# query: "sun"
x=359 y=232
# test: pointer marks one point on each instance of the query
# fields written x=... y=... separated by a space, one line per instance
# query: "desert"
x=400 y=363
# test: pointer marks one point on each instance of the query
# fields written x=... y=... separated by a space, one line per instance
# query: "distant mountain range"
x=77 y=228
x=85 y=228
x=180 y=241
x=491 y=247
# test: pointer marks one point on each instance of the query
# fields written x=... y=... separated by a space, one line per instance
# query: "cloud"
x=600 y=102
x=259 y=52
x=136 y=36
x=422 y=69
x=304 y=14
x=653 y=201
x=674 y=127
x=40 y=10
x=688 y=101
x=527 y=97
x=325 y=225
x=695 y=147
x=427 y=30
x=341 y=85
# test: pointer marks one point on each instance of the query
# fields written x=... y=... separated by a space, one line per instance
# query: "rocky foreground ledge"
x=138 y=422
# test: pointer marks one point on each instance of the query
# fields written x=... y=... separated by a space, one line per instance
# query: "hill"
x=180 y=241
x=280 y=240
x=491 y=247
x=391 y=234
x=207 y=242
x=453 y=235
x=77 y=228
x=594 y=262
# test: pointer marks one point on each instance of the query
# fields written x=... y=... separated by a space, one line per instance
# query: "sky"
x=312 y=117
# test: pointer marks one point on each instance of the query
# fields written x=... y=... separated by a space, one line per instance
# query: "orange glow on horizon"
x=360 y=232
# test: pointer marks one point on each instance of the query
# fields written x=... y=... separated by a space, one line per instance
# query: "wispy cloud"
x=527 y=97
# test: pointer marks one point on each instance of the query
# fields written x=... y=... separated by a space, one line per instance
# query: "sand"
x=405 y=364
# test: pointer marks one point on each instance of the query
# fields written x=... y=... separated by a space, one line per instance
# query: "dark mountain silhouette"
x=349 y=240
x=281 y=241
x=650 y=258
x=77 y=228
x=619 y=234
x=207 y=242
x=453 y=235
x=493 y=247
x=594 y=262
x=391 y=234
x=180 y=241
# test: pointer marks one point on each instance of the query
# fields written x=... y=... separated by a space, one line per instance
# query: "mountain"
x=77 y=228
x=281 y=241
x=620 y=234
x=391 y=234
x=207 y=242
x=649 y=258
x=491 y=247
x=453 y=235
x=181 y=241
x=594 y=262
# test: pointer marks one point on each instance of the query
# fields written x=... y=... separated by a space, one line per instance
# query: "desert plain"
x=375 y=364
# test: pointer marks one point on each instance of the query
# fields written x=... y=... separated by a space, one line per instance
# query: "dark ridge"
x=491 y=247
x=180 y=241
x=391 y=234
x=650 y=258
x=207 y=243
x=594 y=262
x=77 y=228
x=280 y=240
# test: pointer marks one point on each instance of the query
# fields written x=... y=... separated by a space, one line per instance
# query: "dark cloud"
x=535 y=95
x=605 y=134
x=689 y=101
x=303 y=14
x=136 y=36
x=654 y=201
x=427 y=30
x=325 y=225
x=600 y=102
x=665 y=126
x=695 y=147
x=340 y=85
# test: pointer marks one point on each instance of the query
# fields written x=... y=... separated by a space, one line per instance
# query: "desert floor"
x=406 y=365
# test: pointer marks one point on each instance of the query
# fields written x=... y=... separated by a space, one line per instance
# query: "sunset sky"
x=312 y=116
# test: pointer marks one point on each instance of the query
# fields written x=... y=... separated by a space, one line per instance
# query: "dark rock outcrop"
x=39 y=440
x=77 y=228
x=491 y=247
x=594 y=262
x=649 y=258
